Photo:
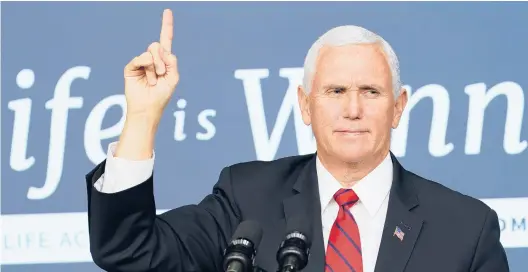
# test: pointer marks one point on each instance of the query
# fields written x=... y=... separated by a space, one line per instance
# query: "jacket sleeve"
x=489 y=254
x=127 y=235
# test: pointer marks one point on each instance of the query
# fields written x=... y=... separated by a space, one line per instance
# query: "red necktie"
x=344 y=245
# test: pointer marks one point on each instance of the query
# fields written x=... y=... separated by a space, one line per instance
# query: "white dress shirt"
x=369 y=212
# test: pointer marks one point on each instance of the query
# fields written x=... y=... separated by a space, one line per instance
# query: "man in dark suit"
x=368 y=213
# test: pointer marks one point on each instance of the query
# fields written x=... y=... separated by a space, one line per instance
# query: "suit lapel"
x=402 y=227
x=305 y=202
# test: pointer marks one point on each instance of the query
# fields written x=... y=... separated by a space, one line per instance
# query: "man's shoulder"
x=278 y=167
x=268 y=176
x=263 y=181
x=434 y=195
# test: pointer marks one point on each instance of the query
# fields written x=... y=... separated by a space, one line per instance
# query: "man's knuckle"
x=153 y=46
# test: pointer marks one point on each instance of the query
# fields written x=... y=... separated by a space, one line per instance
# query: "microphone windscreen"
x=249 y=230
x=300 y=224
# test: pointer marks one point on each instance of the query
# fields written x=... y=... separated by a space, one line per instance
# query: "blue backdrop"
x=62 y=104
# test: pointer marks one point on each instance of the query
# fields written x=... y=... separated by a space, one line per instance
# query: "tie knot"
x=346 y=197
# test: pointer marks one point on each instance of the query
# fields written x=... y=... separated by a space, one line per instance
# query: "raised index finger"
x=167 y=30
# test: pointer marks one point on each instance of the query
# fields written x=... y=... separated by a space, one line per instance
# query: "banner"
x=464 y=65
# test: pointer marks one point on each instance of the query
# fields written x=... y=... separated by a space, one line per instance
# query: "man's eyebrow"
x=335 y=86
x=361 y=87
x=370 y=86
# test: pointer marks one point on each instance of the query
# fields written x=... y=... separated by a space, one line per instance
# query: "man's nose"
x=352 y=105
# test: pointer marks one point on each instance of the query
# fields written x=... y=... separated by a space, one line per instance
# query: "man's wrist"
x=137 y=138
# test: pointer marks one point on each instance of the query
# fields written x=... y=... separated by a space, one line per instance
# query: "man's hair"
x=345 y=35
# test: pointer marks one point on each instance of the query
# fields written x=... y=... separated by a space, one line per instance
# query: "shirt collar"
x=371 y=190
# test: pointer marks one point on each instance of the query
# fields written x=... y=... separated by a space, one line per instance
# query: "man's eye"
x=372 y=92
x=337 y=90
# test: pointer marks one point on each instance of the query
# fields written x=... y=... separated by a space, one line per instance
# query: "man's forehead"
x=366 y=56
x=343 y=69
x=352 y=80
x=349 y=58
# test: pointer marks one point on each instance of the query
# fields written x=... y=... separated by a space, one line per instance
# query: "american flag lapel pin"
x=399 y=233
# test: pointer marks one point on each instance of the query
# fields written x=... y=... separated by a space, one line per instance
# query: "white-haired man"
x=366 y=211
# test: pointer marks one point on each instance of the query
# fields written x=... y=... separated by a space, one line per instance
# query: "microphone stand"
x=258 y=269
x=288 y=268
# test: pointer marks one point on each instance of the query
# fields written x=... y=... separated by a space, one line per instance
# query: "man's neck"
x=349 y=173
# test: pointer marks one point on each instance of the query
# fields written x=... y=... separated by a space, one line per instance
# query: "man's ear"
x=304 y=104
x=399 y=107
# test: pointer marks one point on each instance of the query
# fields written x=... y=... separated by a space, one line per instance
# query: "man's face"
x=351 y=106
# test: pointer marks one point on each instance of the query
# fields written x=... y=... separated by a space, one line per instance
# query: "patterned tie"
x=344 y=245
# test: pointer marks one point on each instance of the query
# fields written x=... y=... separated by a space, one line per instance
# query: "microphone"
x=241 y=251
x=294 y=250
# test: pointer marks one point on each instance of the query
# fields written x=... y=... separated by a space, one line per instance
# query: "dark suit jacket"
x=445 y=231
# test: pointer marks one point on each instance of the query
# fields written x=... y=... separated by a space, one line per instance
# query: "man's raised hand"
x=151 y=77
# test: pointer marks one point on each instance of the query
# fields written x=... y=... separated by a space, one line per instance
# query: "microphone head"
x=295 y=248
x=298 y=227
x=249 y=230
x=242 y=249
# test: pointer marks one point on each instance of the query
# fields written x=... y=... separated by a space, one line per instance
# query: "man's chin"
x=352 y=154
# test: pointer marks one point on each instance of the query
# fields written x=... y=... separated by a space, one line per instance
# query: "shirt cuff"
x=121 y=174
